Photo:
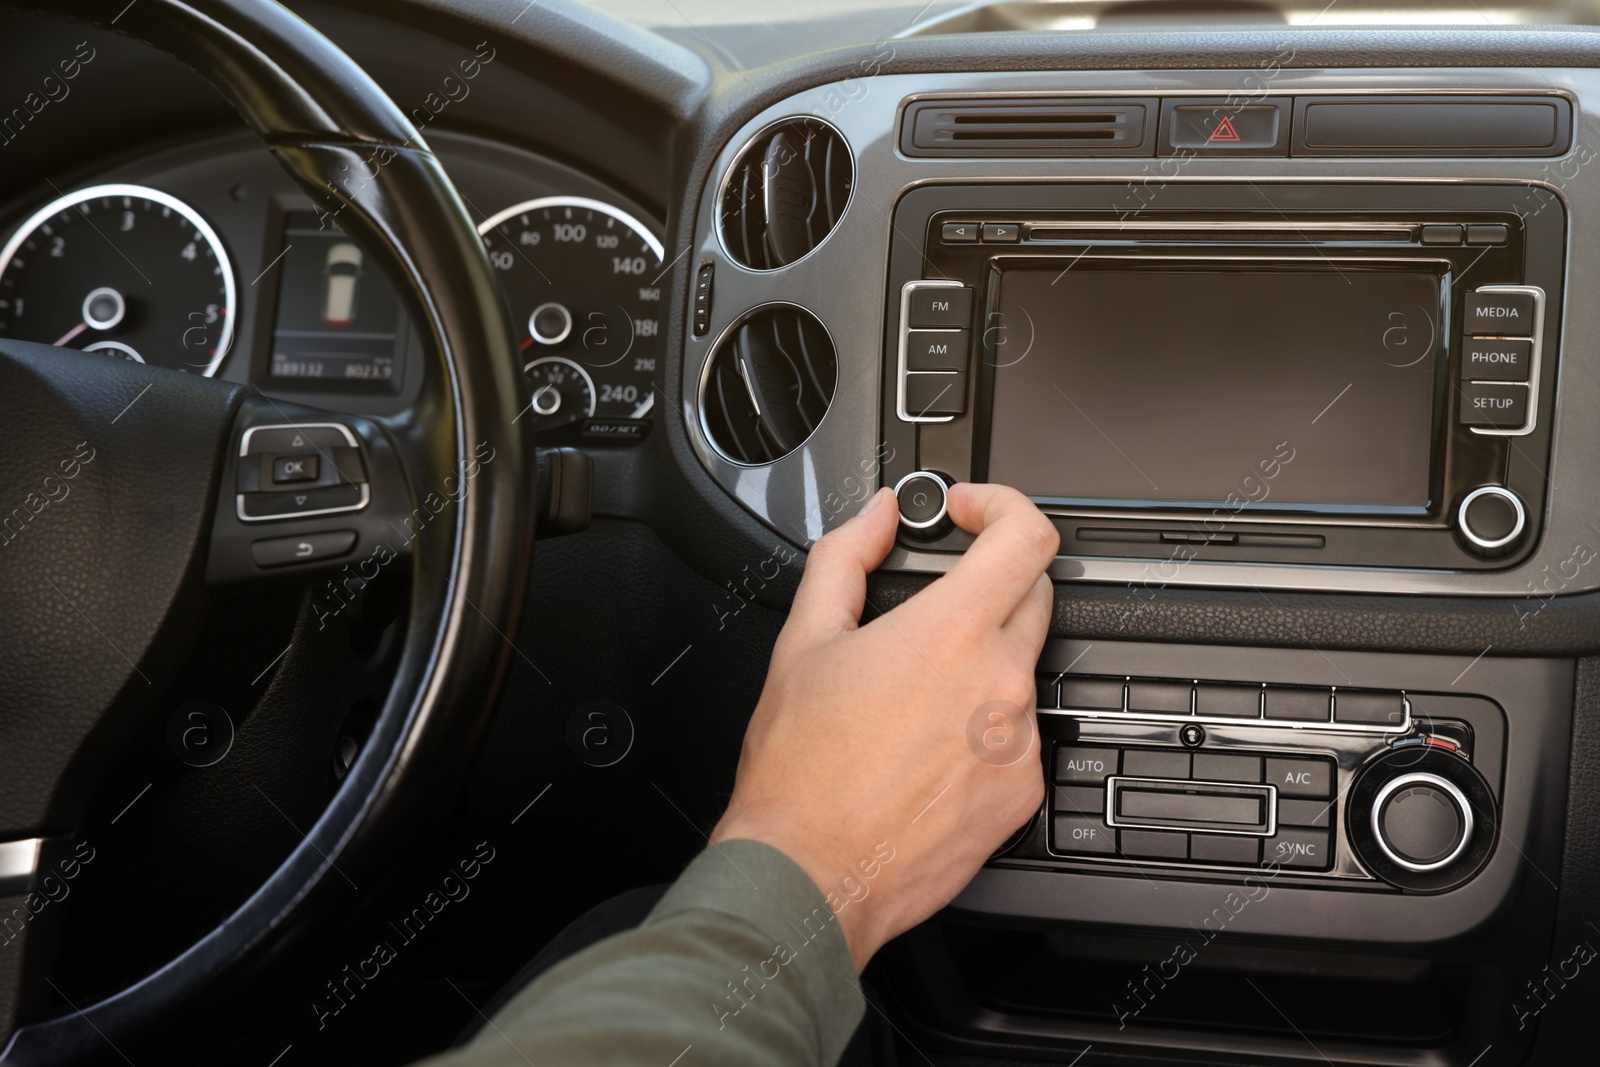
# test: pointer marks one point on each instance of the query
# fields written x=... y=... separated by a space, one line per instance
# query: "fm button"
x=923 y=497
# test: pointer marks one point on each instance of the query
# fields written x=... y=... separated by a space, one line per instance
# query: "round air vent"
x=768 y=383
x=785 y=193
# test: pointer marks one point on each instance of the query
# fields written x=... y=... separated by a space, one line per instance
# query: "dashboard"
x=1284 y=330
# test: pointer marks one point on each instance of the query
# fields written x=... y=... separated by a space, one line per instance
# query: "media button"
x=1497 y=359
x=1001 y=232
x=1503 y=407
x=943 y=305
x=1501 y=314
x=936 y=349
x=953 y=233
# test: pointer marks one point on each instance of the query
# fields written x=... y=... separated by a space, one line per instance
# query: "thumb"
x=833 y=588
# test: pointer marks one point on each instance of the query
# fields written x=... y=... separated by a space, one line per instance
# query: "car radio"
x=1357 y=374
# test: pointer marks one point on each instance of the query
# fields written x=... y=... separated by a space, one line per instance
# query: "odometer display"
x=124 y=270
x=584 y=282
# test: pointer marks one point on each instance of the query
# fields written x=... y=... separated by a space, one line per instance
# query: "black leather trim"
x=324 y=117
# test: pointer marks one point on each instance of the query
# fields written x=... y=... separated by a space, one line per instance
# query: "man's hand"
x=890 y=760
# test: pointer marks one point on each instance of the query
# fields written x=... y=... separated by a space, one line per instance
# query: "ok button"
x=303 y=468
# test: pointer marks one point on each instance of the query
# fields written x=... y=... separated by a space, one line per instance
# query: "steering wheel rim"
x=338 y=134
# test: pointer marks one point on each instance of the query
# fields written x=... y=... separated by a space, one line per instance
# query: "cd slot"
x=1206 y=232
x=1199 y=537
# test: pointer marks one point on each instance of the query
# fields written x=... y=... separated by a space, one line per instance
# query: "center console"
x=1345 y=375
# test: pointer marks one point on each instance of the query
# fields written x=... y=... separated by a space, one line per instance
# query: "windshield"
x=748 y=33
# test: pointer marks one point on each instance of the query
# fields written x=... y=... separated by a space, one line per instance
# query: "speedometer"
x=584 y=281
x=124 y=270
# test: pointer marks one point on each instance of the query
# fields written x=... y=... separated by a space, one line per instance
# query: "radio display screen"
x=1308 y=387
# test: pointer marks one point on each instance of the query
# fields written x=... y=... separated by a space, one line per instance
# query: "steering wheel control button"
x=253 y=507
x=311 y=548
x=311 y=437
x=301 y=468
x=1294 y=704
x=1500 y=359
x=1310 y=778
x=1491 y=520
x=1421 y=818
x=1300 y=848
x=1369 y=707
x=946 y=307
x=1496 y=405
x=1082 y=765
x=1499 y=314
x=923 y=499
x=1421 y=821
x=199 y=733
x=1083 y=835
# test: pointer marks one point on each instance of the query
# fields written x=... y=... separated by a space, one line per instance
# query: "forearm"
x=742 y=960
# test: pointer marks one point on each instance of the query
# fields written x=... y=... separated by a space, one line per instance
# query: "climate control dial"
x=1421 y=818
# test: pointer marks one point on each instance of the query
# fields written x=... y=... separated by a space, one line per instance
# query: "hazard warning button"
x=1222 y=126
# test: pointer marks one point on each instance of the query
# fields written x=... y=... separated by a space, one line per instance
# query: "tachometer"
x=584 y=280
x=124 y=270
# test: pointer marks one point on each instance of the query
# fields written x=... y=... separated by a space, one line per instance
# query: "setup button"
x=1504 y=407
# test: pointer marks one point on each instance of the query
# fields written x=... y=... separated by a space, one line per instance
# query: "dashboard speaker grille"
x=785 y=193
x=768 y=385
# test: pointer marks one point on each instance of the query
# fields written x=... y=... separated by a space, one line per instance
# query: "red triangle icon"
x=1224 y=131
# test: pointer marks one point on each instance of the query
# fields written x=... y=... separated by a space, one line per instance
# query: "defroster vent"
x=785 y=193
x=768 y=384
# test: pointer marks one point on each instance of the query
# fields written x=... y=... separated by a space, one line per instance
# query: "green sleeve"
x=741 y=964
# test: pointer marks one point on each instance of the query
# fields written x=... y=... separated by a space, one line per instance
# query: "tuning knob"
x=923 y=497
x=1421 y=818
x=1491 y=520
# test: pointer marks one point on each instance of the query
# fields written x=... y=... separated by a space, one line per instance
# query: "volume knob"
x=923 y=498
x=1491 y=520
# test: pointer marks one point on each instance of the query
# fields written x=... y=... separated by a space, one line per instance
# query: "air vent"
x=1030 y=129
x=768 y=384
x=785 y=193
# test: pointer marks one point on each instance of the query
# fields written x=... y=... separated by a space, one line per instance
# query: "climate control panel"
x=1184 y=777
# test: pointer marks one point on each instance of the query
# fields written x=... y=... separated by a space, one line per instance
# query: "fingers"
x=833 y=588
x=1015 y=544
x=1031 y=619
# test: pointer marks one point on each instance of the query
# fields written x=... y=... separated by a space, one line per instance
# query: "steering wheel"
x=104 y=588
